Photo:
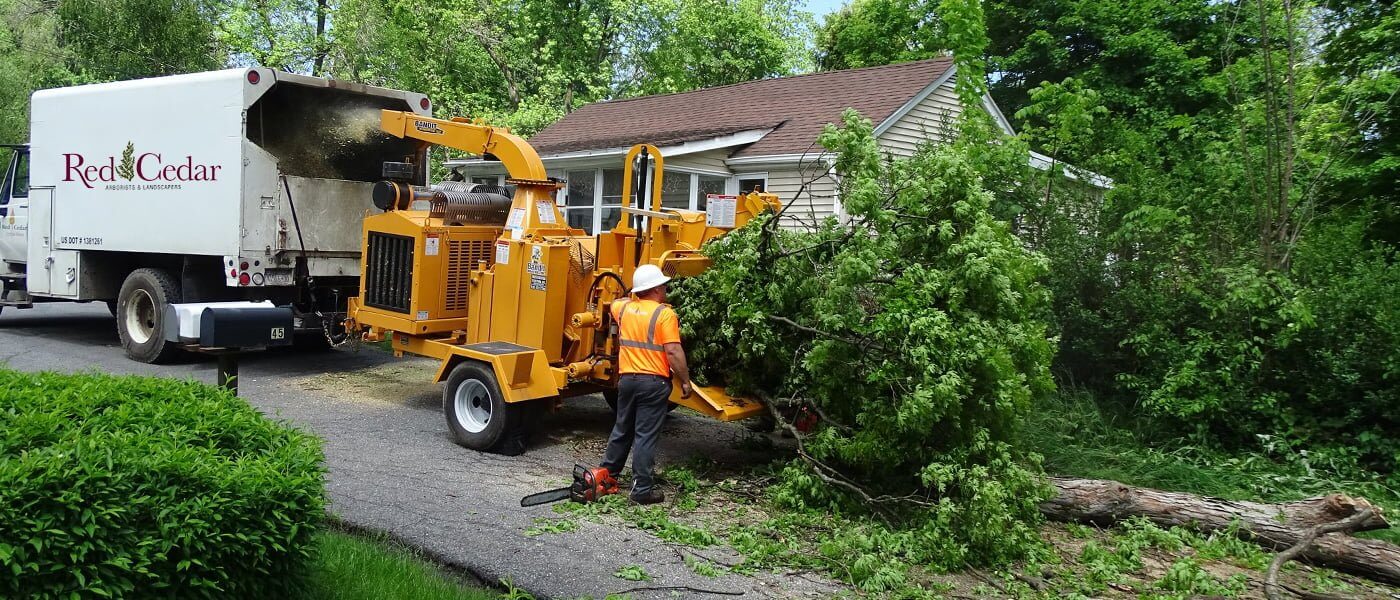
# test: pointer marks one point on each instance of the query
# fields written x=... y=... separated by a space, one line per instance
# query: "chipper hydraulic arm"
x=510 y=299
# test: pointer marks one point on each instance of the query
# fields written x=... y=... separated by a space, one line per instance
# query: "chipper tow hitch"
x=589 y=485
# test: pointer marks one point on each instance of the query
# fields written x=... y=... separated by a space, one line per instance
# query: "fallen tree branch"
x=831 y=475
x=1274 y=526
x=801 y=327
x=1345 y=525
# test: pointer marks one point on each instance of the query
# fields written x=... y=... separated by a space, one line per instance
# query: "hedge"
x=142 y=487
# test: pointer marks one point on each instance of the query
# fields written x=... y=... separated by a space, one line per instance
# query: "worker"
x=649 y=353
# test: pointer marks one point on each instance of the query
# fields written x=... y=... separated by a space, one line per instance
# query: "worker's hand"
x=685 y=389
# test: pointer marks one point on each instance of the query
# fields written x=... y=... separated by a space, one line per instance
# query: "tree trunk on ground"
x=1274 y=526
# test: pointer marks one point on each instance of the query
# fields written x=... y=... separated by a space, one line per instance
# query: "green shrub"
x=141 y=487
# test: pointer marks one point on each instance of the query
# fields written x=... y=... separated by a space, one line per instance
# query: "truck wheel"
x=141 y=315
x=478 y=414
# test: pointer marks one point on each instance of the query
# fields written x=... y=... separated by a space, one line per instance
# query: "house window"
x=487 y=179
x=593 y=199
x=675 y=191
x=753 y=182
x=706 y=185
x=611 y=200
x=579 y=201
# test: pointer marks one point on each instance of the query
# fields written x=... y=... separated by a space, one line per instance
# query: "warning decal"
x=546 y=211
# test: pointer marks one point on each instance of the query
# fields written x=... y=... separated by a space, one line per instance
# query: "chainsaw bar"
x=546 y=497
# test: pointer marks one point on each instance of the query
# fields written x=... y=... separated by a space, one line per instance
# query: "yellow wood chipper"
x=513 y=301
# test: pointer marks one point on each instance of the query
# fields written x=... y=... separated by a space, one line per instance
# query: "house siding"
x=931 y=120
x=711 y=160
x=806 y=206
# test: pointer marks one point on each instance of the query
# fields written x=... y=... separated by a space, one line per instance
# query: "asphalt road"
x=393 y=469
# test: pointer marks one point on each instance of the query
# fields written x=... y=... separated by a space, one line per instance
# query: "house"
x=758 y=134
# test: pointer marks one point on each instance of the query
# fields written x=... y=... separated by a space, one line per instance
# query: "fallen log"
x=1274 y=526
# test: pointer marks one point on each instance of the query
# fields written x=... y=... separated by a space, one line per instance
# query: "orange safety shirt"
x=644 y=327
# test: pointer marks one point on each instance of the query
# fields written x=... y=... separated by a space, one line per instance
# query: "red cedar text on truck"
x=148 y=167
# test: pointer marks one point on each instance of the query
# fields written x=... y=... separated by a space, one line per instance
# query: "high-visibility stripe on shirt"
x=642 y=349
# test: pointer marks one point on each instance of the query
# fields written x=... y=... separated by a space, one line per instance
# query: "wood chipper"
x=510 y=299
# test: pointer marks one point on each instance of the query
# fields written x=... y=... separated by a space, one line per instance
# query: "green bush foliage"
x=142 y=487
x=1237 y=285
x=913 y=330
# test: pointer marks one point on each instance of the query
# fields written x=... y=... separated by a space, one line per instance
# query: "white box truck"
x=234 y=185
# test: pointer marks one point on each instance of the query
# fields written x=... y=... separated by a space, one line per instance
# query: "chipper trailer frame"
x=512 y=301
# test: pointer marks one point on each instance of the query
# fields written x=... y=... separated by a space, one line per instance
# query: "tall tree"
x=868 y=33
x=127 y=39
x=680 y=45
x=285 y=34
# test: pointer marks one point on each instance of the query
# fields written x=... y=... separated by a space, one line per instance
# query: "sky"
x=822 y=7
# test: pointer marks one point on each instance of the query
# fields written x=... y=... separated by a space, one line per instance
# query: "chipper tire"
x=479 y=416
x=141 y=315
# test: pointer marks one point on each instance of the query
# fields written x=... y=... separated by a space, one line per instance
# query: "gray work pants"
x=642 y=402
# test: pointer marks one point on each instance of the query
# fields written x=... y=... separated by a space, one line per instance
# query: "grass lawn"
x=352 y=567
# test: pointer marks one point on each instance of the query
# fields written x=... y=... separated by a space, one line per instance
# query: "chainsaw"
x=589 y=485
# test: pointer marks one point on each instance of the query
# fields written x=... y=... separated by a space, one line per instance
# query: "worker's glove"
x=685 y=389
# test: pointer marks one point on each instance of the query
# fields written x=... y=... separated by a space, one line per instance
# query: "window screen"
x=709 y=184
x=612 y=198
x=675 y=191
x=578 y=203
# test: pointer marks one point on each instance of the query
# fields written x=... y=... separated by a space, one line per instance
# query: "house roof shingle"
x=796 y=108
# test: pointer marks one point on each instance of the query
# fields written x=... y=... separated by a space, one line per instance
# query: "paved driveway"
x=393 y=468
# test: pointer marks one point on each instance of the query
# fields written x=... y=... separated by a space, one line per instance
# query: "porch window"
x=593 y=199
x=611 y=200
x=579 y=201
x=706 y=185
x=675 y=191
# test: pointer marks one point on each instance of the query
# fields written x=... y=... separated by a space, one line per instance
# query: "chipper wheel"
x=479 y=416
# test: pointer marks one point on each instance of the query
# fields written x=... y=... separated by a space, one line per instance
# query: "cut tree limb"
x=1271 y=587
x=1275 y=526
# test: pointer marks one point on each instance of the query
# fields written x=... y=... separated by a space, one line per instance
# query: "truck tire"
x=479 y=416
x=141 y=315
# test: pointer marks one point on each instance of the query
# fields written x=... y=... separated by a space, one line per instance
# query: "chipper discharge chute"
x=513 y=301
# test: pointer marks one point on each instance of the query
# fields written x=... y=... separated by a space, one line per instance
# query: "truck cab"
x=14 y=225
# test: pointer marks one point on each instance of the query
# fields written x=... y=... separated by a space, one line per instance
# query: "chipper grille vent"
x=389 y=272
x=462 y=257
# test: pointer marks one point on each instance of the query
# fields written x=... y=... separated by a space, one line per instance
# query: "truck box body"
x=251 y=167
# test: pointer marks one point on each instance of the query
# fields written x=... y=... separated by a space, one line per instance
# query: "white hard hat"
x=647 y=277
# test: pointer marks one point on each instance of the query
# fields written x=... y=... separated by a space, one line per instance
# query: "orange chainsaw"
x=589 y=485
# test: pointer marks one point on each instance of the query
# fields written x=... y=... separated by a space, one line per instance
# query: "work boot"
x=652 y=497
